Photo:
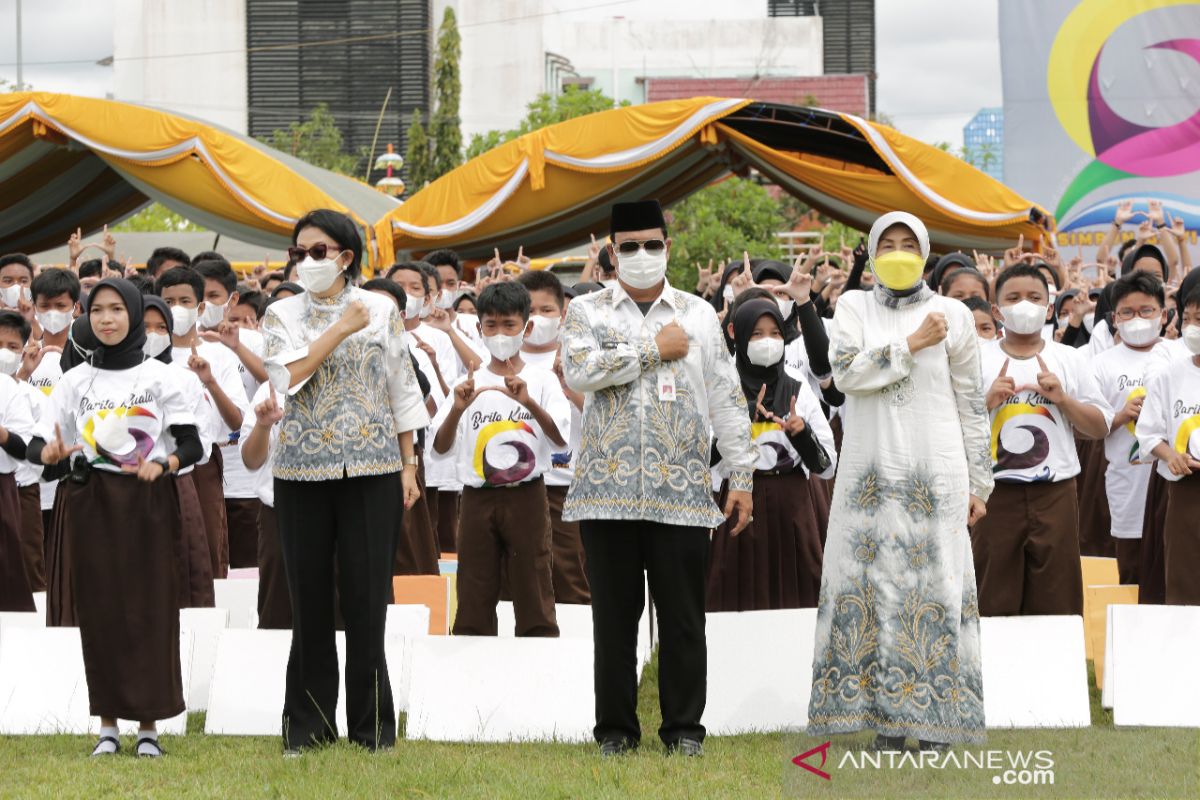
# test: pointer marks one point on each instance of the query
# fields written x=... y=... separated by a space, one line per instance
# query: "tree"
x=545 y=109
x=719 y=222
x=444 y=123
x=317 y=140
x=156 y=218
x=418 y=159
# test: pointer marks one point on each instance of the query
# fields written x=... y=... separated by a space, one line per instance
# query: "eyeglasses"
x=318 y=251
x=652 y=247
x=1145 y=312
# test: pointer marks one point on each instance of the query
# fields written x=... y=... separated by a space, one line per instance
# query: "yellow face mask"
x=899 y=269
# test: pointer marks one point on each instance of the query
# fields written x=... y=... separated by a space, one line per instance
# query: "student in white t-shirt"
x=1168 y=429
x=16 y=429
x=541 y=348
x=1027 y=547
x=502 y=423
x=1121 y=373
x=215 y=364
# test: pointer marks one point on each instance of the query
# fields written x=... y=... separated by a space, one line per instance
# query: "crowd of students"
x=113 y=377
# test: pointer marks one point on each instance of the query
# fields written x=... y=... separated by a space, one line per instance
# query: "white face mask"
x=1191 y=339
x=9 y=361
x=53 y=322
x=764 y=352
x=182 y=320
x=446 y=298
x=155 y=344
x=1089 y=322
x=213 y=314
x=785 y=306
x=727 y=294
x=545 y=330
x=414 y=307
x=1024 y=317
x=13 y=295
x=608 y=284
x=503 y=347
x=1138 y=332
x=642 y=270
x=317 y=276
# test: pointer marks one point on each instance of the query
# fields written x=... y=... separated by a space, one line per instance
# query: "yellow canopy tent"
x=551 y=188
x=68 y=162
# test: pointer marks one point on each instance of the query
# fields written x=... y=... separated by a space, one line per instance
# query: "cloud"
x=938 y=63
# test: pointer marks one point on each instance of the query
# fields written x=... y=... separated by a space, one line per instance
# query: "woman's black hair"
x=947 y=280
x=53 y=282
x=341 y=229
x=390 y=287
x=469 y=296
x=502 y=299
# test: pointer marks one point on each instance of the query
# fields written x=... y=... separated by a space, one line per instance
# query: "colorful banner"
x=1102 y=105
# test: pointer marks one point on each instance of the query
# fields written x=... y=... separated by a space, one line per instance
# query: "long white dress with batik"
x=897 y=640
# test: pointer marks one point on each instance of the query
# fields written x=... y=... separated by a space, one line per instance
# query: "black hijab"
x=767 y=268
x=1145 y=250
x=128 y=352
x=160 y=305
x=81 y=343
x=1189 y=284
x=781 y=387
x=718 y=298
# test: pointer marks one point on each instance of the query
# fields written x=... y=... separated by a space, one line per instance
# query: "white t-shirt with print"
x=44 y=377
x=498 y=443
x=1171 y=411
x=118 y=415
x=1121 y=374
x=1032 y=440
x=562 y=470
x=16 y=416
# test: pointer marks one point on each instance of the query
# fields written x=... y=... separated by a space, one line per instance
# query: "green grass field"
x=1098 y=762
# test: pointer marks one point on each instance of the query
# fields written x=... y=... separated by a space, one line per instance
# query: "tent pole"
x=375 y=138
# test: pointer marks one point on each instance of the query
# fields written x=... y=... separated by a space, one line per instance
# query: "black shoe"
x=935 y=747
x=155 y=749
x=886 y=743
x=691 y=748
x=610 y=748
x=98 y=753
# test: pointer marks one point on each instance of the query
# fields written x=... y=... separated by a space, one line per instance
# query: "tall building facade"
x=983 y=141
x=848 y=34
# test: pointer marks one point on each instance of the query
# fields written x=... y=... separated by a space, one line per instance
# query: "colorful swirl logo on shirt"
x=117 y=435
x=504 y=452
x=774 y=452
x=1189 y=430
x=1038 y=450
x=1120 y=148
x=1131 y=426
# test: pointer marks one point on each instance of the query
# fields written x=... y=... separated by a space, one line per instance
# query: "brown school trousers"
x=1027 y=551
x=209 y=486
x=33 y=540
x=569 y=570
x=509 y=525
x=241 y=516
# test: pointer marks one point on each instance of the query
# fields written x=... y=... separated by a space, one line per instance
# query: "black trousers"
x=675 y=561
x=352 y=520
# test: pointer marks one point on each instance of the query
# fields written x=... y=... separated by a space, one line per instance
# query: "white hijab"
x=898 y=217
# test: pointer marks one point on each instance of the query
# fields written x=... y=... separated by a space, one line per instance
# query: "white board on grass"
x=407 y=619
x=575 y=622
x=1034 y=672
x=1155 y=653
x=206 y=625
x=39 y=602
x=20 y=619
x=492 y=689
x=1106 y=690
x=759 y=670
x=245 y=697
x=43 y=687
x=405 y=622
x=240 y=597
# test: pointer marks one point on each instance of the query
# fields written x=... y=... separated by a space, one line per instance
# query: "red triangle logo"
x=823 y=749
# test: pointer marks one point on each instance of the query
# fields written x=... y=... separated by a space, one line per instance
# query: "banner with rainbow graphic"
x=1102 y=105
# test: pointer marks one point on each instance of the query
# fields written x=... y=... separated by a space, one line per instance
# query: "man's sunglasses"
x=652 y=247
x=318 y=251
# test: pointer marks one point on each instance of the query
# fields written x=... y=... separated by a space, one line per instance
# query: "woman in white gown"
x=897 y=639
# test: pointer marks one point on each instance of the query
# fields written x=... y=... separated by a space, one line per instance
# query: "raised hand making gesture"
x=56 y=449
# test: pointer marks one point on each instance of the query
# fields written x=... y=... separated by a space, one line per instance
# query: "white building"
x=190 y=57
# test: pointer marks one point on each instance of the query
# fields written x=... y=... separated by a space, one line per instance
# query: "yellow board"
x=434 y=591
x=1097 y=599
x=1096 y=572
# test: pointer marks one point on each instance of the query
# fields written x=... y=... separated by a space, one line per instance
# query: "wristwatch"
x=411 y=461
x=164 y=463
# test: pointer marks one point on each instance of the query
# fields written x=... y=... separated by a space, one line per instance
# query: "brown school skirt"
x=1152 y=572
x=1181 y=540
x=15 y=594
x=241 y=515
x=123 y=535
x=210 y=487
x=1095 y=523
x=193 y=563
x=60 y=602
x=33 y=540
x=775 y=562
x=416 y=545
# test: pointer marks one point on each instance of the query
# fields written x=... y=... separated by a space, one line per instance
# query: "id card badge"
x=666 y=386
